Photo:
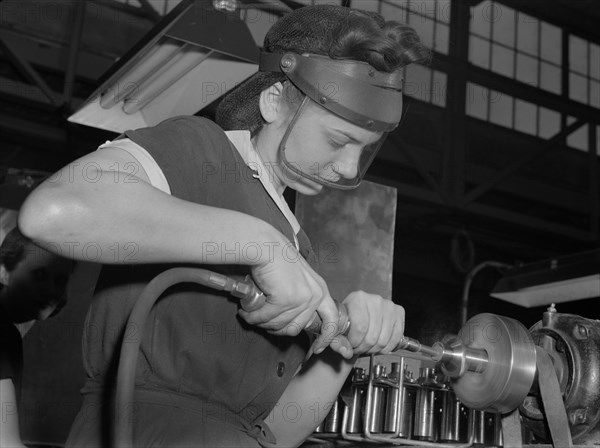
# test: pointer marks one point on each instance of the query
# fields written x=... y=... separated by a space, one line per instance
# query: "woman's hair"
x=329 y=30
x=12 y=249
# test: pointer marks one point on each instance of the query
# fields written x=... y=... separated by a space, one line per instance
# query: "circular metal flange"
x=510 y=370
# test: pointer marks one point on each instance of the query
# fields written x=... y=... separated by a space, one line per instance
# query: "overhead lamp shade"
x=556 y=280
x=190 y=58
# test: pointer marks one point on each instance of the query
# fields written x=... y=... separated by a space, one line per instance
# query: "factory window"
x=580 y=139
x=425 y=84
x=523 y=116
x=496 y=107
x=516 y=45
x=505 y=110
x=584 y=71
x=430 y=18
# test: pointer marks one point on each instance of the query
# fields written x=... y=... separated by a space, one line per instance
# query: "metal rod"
x=412 y=345
x=74 y=52
x=25 y=68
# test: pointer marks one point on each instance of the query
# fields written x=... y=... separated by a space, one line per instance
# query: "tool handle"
x=252 y=299
x=343 y=324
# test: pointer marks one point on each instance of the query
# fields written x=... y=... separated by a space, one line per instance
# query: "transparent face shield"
x=334 y=165
x=351 y=90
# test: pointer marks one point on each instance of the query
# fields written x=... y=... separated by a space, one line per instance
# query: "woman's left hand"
x=376 y=324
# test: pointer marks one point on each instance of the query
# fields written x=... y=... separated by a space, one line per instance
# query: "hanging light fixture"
x=556 y=280
x=190 y=58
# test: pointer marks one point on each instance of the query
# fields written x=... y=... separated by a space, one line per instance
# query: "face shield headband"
x=350 y=89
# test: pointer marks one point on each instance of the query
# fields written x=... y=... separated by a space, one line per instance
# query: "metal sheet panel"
x=353 y=235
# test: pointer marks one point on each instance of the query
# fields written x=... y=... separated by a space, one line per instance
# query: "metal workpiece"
x=393 y=403
x=510 y=367
x=453 y=419
x=455 y=358
x=407 y=411
x=376 y=415
x=427 y=410
x=492 y=367
x=414 y=346
x=354 y=407
x=334 y=418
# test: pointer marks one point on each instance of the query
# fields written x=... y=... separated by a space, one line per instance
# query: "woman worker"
x=33 y=285
x=192 y=192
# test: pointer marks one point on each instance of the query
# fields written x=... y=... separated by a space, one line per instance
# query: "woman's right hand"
x=293 y=293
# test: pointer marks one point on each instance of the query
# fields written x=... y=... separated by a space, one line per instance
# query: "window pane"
x=503 y=27
x=501 y=109
x=526 y=117
x=527 y=29
x=578 y=90
x=579 y=138
x=527 y=69
x=551 y=43
x=424 y=28
x=481 y=18
x=595 y=61
x=442 y=38
x=549 y=122
x=393 y=12
x=595 y=94
x=439 y=89
x=578 y=55
x=422 y=7
x=443 y=11
x=479 y=52
x=477 y=101
x=550 y=78
x=365 y=5
x=503 y=60
x=418 y=82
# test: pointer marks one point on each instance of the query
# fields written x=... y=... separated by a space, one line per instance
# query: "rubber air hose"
x=251 y=299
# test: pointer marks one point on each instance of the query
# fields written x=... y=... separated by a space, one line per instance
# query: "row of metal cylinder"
x=428 y=409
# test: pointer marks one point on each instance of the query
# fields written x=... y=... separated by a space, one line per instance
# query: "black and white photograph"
x=299 y=223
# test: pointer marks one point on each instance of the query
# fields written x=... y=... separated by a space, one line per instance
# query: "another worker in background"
x=189 y=191
x=33 y=282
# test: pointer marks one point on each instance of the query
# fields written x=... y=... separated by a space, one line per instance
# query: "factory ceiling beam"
x=415 y=156
x=528 y=189
x=594 y=181
x=150 y=12
x=74 y=48
x=42 y=40
x=579 y=17
x=490 y=212
x=454 y=154
x=546 y=145
x=27 y=71
x=52 y=137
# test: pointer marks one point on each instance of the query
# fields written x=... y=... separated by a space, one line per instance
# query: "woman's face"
x=324 y=146
x=36 y=286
